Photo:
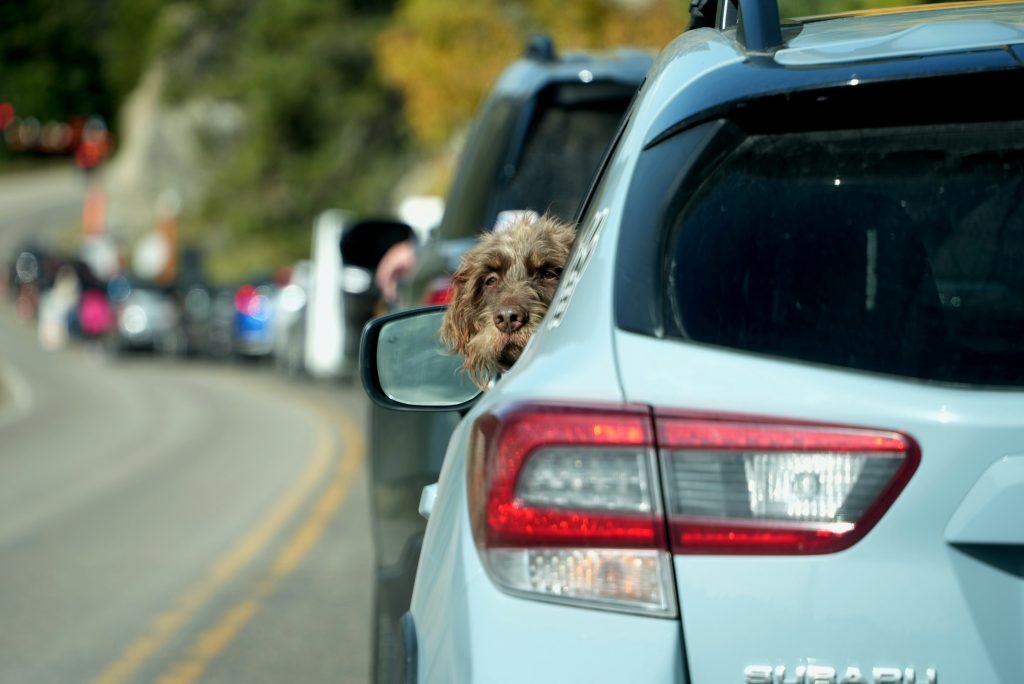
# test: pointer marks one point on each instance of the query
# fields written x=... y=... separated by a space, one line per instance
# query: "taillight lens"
x=566 y=506
x=739 y=488
x=440 y=291
x=566 y=502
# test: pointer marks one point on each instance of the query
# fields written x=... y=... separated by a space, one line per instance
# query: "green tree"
x=50 y=64
x=322 y=130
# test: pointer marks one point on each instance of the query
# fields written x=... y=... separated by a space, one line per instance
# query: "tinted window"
x=895 y=250
x=485 y=151
x=571 y=129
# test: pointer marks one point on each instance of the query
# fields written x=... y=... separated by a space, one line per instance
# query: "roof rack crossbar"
x=758 y=28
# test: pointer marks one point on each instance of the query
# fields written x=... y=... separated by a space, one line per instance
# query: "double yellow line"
x=212 y=642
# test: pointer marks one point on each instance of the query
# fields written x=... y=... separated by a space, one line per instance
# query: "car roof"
x=705 y=70
x=524 y=77
x=910 y=31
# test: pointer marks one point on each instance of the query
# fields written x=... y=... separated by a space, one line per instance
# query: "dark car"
x=536 y=144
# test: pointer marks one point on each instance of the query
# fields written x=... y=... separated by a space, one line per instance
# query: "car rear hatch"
x=835 y=372
x=938 y=582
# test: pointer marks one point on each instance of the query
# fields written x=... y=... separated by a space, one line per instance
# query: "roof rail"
x=757 y=26
x=540 y=47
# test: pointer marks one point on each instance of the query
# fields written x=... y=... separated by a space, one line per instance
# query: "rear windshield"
x=539 y=154
x=571 y=129
x=894 y=250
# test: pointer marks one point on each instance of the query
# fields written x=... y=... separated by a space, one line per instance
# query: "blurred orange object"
x=94 y=211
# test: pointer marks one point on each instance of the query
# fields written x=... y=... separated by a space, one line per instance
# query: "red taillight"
x=566 y=506
x=441 y=291
x=566 y=502
x=757 y=488
x=540 y=515
x=243 y=298
x=251 y=301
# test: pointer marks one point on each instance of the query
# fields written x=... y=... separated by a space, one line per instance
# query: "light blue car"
x=772 y=428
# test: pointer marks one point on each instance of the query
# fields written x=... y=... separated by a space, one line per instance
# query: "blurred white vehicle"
x=290 y=321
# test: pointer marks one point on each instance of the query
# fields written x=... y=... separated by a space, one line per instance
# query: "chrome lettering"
x=758 y=674
x=887 y=675
x=824 y=674
x=818 y=674
x=853 y=676
x=798 y=674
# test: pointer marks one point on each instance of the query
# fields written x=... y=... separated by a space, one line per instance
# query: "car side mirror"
x=404 y=366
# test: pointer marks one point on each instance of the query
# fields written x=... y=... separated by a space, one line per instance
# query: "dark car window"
x=548 y=166
x=897 y=250
x=567 y=138
x=470 y=196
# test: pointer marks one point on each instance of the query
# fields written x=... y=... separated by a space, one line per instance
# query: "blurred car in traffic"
x=535 y=145
x=290 y=321
x=196 y=303
x=255 y=304
x=770 y=428
x=31 y=271
x=220 y=342
x=148 y=318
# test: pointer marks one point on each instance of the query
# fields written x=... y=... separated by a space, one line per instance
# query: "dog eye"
x=490 y=280
x=550 y=273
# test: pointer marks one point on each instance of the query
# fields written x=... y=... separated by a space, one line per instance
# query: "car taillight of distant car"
x=249 y=301
x=439 y=292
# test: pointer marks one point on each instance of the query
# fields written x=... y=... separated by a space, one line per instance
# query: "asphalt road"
x=171 y=521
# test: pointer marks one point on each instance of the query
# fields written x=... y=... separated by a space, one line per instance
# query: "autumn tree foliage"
x=444 y=55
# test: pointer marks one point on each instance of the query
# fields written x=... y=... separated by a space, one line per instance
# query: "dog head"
x=502 y=290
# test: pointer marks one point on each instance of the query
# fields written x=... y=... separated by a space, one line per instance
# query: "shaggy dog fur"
x=503 y=287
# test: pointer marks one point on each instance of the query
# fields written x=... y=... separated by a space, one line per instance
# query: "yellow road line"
x=166 y=625
x=211 y=643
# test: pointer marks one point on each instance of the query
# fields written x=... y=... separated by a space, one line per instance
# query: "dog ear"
x=459 y=324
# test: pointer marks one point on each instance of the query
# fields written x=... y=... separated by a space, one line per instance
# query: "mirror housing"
x=405 y=367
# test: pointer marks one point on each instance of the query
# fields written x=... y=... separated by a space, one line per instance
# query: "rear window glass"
x=571 y=129
x=894 y=250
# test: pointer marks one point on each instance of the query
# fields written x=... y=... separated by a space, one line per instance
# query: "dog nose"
x=508 y=319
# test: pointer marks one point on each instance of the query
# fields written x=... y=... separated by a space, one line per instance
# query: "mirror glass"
x=414 y=367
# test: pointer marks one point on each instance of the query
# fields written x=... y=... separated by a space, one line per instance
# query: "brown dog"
x=503 y=287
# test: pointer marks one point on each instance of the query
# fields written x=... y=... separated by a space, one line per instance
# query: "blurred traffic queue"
x=305 y=316
x=87 y=139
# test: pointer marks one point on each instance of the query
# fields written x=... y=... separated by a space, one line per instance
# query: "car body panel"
x=468 y=630
x=860 y=39
x=991 y=512
x=947 y=593
x=719 y=76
